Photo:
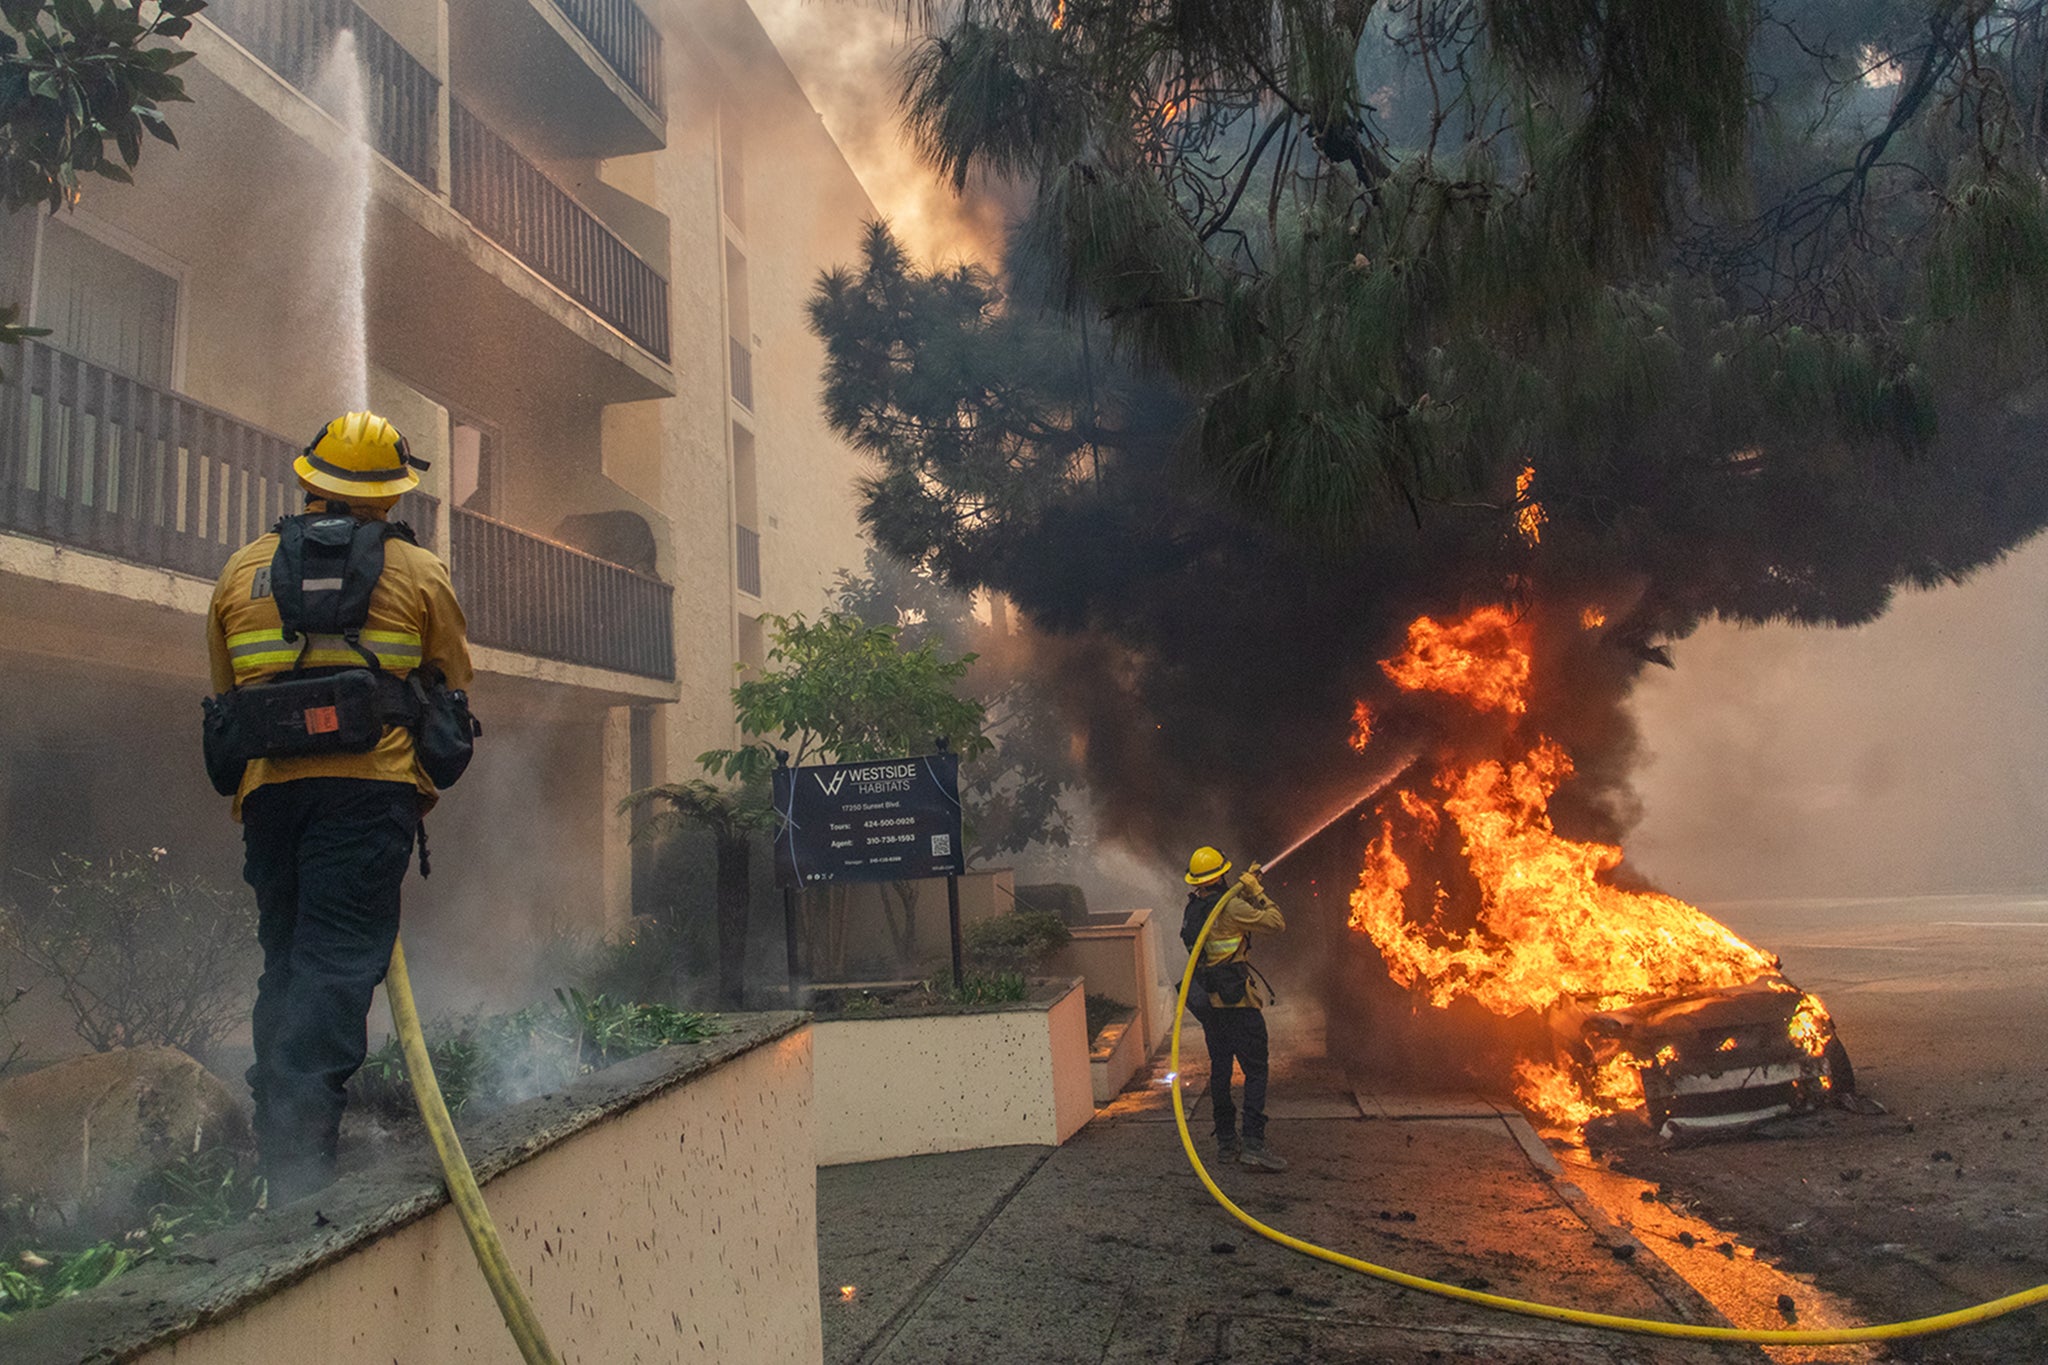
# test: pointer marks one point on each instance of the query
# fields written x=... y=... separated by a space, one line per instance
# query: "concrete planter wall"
x=1122 y=961
x=1114 y=1059
x=995 y=1077
x=664 y=1209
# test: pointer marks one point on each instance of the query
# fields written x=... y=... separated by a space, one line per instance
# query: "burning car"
x=1719 y=1062
x=1473 y=899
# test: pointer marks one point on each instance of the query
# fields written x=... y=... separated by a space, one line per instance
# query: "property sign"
x=894 y=819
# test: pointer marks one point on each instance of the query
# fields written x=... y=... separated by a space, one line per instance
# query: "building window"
x=732 y=163
x=739 y=326
x=753 y=645
x=105 y=306
x=746 y=511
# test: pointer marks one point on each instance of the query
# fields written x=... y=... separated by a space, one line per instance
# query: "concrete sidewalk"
x=1109 y=1250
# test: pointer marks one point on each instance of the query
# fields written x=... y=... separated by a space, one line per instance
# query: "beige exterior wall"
x=699 y=1244
x=947 y=1083
x=801 y=214
x=580 y=419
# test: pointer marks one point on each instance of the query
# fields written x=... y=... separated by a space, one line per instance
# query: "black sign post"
x=892 y=819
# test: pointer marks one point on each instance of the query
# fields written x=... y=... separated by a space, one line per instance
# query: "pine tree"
x=1740 y=301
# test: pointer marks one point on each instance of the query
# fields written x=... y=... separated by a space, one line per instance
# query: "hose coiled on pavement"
x=1891 y=1331
x=520 y=1319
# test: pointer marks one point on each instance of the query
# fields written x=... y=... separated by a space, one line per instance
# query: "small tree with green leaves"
x=730 y=815
x=1013 y=795
x=74 y=76
x=841 y=690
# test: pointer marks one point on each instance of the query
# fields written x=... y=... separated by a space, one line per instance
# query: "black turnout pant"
x=325 y=856
x=1236 y=1037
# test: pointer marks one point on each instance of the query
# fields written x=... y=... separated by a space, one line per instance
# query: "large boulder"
x=76 y=1138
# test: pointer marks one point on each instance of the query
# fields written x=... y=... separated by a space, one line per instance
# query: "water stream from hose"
x=1365 y=794
x=341 y=92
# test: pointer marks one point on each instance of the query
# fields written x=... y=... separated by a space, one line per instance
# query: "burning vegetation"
x=1469 y=892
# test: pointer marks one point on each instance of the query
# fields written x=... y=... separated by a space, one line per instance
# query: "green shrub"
x=504 y=1058
x=1019 y=941
x=191 y=1196
x=138 y=955
x=977 y=988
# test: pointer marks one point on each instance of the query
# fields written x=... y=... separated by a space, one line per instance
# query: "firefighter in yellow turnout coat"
x=1231 y=1002
x=328 y=835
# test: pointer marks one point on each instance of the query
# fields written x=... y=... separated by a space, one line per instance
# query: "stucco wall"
x=679 y=1225
x=948 y=1083
x=1121 y=961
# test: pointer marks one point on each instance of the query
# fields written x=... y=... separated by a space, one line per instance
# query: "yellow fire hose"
x=520 y=1318
x=1941 y=1322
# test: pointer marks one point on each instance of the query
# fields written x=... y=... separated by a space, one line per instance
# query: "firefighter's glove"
x=1250 y=884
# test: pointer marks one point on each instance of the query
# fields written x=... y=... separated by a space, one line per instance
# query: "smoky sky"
x=844 y=53
x=1907 y=756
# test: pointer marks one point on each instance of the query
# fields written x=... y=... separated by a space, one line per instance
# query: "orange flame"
x=1811 y=1026
x=1361 y=726
x=1530 y=517
x=1547 y=928
x=1483 y=658
x=1592 y=618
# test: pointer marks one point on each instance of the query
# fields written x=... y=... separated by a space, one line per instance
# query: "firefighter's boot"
x=1258 y=1158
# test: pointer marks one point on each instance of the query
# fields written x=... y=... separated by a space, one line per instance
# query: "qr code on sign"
x=942 y=845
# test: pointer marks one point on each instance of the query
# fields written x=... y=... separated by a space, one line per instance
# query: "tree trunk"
x=825 y=922
x=902 y=929
x=734 y=910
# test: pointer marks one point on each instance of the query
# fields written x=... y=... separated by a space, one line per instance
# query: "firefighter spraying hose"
x=1198 y=940
x=340 y=663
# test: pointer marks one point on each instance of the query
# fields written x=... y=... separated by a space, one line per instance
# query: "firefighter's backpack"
x=326 y=566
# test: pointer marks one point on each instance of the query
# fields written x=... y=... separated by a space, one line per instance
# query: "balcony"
x=96 y=460
x=93 y=459
x=505 y=197
x=515 y=205
x=294 y=40
x=750 y=560
x=526 y=593
x=626 y=40
x=576 y=78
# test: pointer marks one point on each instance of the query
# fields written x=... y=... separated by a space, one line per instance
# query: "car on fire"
x=1717 y=1063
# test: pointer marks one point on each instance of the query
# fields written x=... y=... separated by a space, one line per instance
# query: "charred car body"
x=1717 y=1063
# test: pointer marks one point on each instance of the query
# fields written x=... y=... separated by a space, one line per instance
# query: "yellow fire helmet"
x=359 y=455
x=1205 y=866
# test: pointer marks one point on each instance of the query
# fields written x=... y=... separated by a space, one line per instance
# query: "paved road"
x=1108 y=1250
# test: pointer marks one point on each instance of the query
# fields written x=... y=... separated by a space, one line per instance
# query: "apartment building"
x=592 y=228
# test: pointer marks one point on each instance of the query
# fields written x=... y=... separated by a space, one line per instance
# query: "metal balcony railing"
x=513 y=203
x=92 y=458
x=624 y=37
x=529 y=594
x=750 y=560
x=742 y=373
x=294 y=38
